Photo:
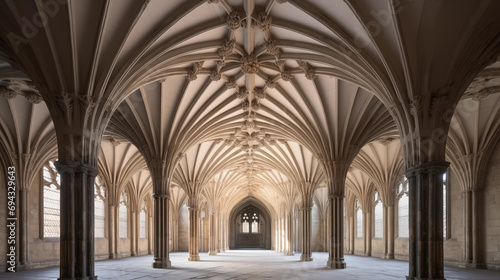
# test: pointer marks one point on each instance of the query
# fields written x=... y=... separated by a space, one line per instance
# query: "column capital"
x=70 y=166
x=161 y=195
x=430 y=167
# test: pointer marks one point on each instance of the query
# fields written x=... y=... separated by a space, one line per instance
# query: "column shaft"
x=426 y=221
x=336 y=254
x=193 y=234
x=306 y=234
x=161 y=217
x=23 y=261
x=390 y=232
x=77 y=220
x=289 y=250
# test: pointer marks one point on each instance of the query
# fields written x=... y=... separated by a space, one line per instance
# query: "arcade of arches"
x=349 y=127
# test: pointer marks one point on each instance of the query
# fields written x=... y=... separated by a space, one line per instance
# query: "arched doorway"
x=250 y=226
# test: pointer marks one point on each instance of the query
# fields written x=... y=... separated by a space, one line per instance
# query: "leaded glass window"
x=51 y=201
x=123 y=215
x=403 y=214
x=359 y=220
x=142 y=221
x=379 y=217
x=99 y=208
x=245 y=224
x=255 y=223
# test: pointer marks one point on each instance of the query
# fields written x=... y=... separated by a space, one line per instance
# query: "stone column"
x=150 y=233
x=336 y=255
x=352 y=234
x=390 y=231
x=289 y=249
x=193 y=234
x=367 y=219
x=133 y=232
x=473 y=246
x=426 y=220
x=212 y=235
x=161 y=252
x=77 y=220
x=112 y=231
x=306 y=233
x=22 y=208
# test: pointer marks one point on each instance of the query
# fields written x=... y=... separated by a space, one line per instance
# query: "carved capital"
x=263 y=21
x=242 y=93
x=70 y=166
x=431 y=167
x=259 y=93
x=233 y=20
x=226 y=48
x=286 y=75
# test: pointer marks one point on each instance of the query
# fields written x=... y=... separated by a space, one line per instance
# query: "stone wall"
x=491 y=210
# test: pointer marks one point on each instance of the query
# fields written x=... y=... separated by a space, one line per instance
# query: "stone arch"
x=262 y=210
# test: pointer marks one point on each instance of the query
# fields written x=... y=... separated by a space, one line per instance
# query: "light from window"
x=245 y=225
x=403 y=214
x=445 y=183
x=99 y=209
x=359 y=221
x=142 y=217
x=123 y=227
x=379 y=219
x=51 y=201
x=255 y=223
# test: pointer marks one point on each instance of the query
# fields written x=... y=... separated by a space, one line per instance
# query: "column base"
x=368 y=254
x=24 y=266
x=194 y=258
x=336 y=263
x=305 y=258
x=113 y=256
x=389 y=257
x=212 y=253
x=162 y=263
x=417 y=278
x=289 y=253
x=471 y=264
x=79 y=278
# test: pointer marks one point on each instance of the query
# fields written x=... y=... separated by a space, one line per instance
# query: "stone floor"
x=253 y=264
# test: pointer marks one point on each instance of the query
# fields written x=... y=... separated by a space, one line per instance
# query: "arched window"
x=255 y=223
x=379 y=217
x=123 y=213
x=403 y=214
x=142 y=221
x=51 y=201
x=245 y=225
x=359 y=220
x=99 y=208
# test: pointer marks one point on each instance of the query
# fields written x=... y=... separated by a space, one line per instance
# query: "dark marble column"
x=426 y=221
x=161 y=252
x=336 y=257
x=77 y=220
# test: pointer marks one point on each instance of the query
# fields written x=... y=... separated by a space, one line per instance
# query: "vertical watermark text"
x=11 y=219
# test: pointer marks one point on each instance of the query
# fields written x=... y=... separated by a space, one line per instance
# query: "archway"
x=250 y=226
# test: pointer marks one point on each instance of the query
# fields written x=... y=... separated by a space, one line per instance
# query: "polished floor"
x=253 y=264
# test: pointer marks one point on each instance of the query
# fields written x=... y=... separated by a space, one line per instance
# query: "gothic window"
x=51 y=201
x=123 y=215
x=255 y=223
x=245 y=224
x=142 y=221
x=359 y=220
x=445 y=206
x=403 y=214
x=379 y=217
x=99 y=208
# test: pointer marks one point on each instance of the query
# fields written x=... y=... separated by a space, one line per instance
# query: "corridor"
x=253 y=264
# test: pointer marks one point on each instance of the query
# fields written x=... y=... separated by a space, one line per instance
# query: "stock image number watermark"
x=11 y=218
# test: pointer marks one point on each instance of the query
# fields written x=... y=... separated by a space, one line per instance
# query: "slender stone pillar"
x=112 y=231
x=289 y=250
x=306 y=234
x=367 y=219
x=133 y=232
x=390 y=231
x=193 y=234
x=336 y=255
x=212 y=235
x=161 y=246
x=426 y=221
x=352 y=232
x=472 y=245
x=22 y=208
x=77 y=220
x=150 y=233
